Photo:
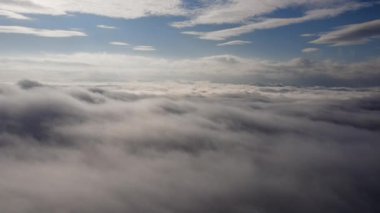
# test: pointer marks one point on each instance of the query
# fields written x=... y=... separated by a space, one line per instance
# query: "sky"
x=151 y=40
x=189 y=106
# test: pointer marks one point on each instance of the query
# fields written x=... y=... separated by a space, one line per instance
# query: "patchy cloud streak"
x=354 y=34
x=41 y=32
x=235 y=42
x=310 y=50
x=127 y=9
x=144 y=48
x=119 y=43
x=270 y=23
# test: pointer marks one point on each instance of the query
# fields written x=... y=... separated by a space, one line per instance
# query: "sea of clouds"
x=188 y=148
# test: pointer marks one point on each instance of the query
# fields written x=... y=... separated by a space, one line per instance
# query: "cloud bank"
x=219 y=68
x=188 y=148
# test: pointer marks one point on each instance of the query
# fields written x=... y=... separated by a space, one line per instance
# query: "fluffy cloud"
x=221 y=68
x=235 y=42
x=41 y=32
x=351 y=34
x=270 y=23
x=217 y=148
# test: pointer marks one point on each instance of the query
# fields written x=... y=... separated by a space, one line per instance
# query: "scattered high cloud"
x=235 y=42
x=119 y=43
x=240 y=11
x=13 y=15
x=270 y=23
x=353 y=34
x=308 y=35
x=127 y=9
x=216 y=148
x=144 y=48
x=41 y=32
x=219 y=68
x=109 y=27
x=310 y=50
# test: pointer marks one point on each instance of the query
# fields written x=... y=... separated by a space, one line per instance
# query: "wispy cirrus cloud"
x=308 y=35
x=354 y=34
x=127 y=9
x=270 y=23
x=144 y=48
x=41 y=32
x=13 y=15
x=240 y=11
x=310 y=50
x=234 y=43
x=109 y=27
x=119 y=43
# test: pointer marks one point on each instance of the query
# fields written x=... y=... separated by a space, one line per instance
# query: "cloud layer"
x=188 y=148
x=219 y=68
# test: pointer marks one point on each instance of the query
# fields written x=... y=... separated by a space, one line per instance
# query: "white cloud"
x=216 y=148
x=354 y=34
x=102 y=26
x=235 y=42
x=221 y=68
x=241 y=11
x=40 y=32
x=238 y=11
x=270 y=23
x=13 y=15
x=118 y=43
x=308 y=35
x=127 y=9
x=144 y=48
x=310 y=50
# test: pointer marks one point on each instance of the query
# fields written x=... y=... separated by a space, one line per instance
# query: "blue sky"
x=273 y=30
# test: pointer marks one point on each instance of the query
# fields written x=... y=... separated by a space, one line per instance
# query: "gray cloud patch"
x=218 y=149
